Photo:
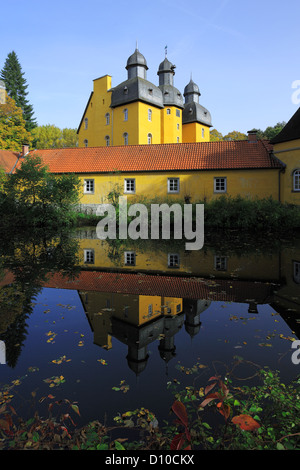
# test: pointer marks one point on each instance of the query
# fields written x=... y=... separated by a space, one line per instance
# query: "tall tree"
x=50 y=136
x=12 y=127
x=16 y=87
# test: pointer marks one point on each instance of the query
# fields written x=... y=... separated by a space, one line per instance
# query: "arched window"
x=296 y=180
x=107 y=119
x=149 y=138
x=125 y=111
x=86 y=122
x=107 y=140
x=86 y=142
x=168 y=111
x=125 y=137
x=149 y=114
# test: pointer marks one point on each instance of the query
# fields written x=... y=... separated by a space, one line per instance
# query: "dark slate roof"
x=291 y=130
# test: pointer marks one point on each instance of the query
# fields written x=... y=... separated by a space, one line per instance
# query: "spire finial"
x=136 y=44
x=166 y=51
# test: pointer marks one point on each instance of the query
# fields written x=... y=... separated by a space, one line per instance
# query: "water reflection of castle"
x=138 y=296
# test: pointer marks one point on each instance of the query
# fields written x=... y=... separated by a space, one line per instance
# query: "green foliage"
x=16 y=87
x=50 y=136
x=13 y=131
x=35 y=197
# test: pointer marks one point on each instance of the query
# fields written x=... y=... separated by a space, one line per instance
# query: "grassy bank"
x=226 y=213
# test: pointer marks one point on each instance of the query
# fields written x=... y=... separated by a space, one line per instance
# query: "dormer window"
x=125 y=90
x=150 y=91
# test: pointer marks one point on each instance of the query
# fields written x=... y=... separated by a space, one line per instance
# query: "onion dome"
x=136 y=65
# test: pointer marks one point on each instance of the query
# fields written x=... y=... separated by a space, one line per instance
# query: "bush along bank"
x=223 y=214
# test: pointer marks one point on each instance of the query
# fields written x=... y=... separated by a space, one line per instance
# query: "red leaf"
x=209 y=388
x=180 y=411
x=177 y=442
x=209 y=398
x=246 y=422
x=224 y=409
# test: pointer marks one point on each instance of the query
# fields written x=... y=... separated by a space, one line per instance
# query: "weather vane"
x=166 y=50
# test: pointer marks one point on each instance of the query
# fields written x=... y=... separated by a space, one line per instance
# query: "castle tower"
x=196 y=120
x=171 y=117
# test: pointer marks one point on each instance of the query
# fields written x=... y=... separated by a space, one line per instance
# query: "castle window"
x=177 y=140
x=149 y=137
x=296 y=180
x=220 y=185
x=86 y=122
x=107 y=140
x=173 y=185
x=173 y=260
x=178 y=112
x=296 y=275
x=107 y=118
x=129 y=258
x=125 y=111
x=89 y=256
x=89 y=186
x=220 y=263
x=129 y=185
x=125 y=137
x=178 y=127
x=168 y=111
x=202 y=133
x=125 y=90
x=85 y=142
x=149 y=115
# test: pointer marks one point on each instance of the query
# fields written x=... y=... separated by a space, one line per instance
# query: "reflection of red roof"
x=8 y=159
x=165 y=286
x=160 y=157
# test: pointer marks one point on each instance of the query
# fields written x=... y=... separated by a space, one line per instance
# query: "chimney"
x=252 y=135
x=25 y=150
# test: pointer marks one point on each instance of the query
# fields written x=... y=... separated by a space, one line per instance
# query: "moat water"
x=112 y=327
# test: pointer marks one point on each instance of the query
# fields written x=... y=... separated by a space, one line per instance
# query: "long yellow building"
x=137 y=112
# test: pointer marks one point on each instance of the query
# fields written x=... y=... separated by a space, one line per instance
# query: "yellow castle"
x=137 y=112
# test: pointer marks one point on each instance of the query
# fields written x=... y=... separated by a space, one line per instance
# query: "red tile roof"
x=161 y=157
x=165 y=286
x=8 y=159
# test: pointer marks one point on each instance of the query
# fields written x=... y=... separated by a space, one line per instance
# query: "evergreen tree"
x=16 y=87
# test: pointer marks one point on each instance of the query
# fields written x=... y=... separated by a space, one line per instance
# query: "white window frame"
x=149 y=114
x=220 y=263
x=173 y=185
x=89 y=186
x=89 y=256
x=296 y=180
x=149 y=139
x=86 y=142
x=178 y=112
x=125 y=111
x=220 y=184
x=168 y=111
x=173 y=260
x=107 y=140
x=125 y=137
x=129 y=258
x=107 y=119
x=129 y=185
x=86 y=123
x=202 y=131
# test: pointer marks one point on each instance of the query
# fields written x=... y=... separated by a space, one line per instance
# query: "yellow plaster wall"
x=171 y=126
x=198 y=185
x=192 y=132
x=289 y=153
x=96 y=110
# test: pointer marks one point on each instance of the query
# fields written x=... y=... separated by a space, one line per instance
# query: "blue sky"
x=243 y=55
